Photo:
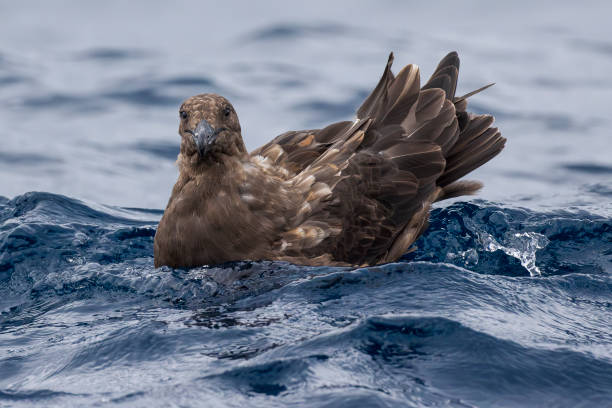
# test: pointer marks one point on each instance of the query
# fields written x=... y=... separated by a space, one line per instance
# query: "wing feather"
x=368 y=185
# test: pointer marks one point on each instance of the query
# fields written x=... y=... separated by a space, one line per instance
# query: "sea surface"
x=506 y=301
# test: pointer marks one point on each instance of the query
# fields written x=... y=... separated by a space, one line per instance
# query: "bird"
x=354 y=193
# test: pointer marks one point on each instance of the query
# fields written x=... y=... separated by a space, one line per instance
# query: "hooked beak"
x=204 y=136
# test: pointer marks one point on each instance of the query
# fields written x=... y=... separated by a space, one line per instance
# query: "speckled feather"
x=353 y=193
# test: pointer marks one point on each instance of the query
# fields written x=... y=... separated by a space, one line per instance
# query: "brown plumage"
x=353 y=193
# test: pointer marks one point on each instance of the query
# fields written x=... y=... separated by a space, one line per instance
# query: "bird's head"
x=209 y=128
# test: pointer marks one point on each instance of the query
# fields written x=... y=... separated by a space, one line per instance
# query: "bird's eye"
x=183 y=115
x=226 y=111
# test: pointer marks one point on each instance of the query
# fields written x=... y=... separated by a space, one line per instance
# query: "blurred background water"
x=506 y=302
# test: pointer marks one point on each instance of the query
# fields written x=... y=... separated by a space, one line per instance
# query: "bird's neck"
x=191 y=164
x=212 y=173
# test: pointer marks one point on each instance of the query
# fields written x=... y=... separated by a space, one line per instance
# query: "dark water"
x=506 y=302
x=467 y=319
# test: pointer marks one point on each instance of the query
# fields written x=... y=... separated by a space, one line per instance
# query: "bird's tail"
x=467 y=143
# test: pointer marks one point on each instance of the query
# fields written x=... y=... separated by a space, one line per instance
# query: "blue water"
x=507 y=301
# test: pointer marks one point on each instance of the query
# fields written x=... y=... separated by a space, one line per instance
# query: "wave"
x=417 y=355
x=51 y=241
x=495 y=305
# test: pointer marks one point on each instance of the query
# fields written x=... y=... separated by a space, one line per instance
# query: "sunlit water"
x=506 y=302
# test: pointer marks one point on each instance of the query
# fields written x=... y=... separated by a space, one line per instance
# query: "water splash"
x=520 y=245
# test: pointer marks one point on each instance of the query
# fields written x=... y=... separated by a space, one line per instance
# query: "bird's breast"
x=217 y=228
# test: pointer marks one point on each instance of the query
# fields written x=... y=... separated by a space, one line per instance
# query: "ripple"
x=599 y=46
x=104 y=55
x=295 y=31
x=150 y=96
x=600 y=189
x=589 y=168
x=73 y=102
x=167 y=151
x=7 y=80
x=434 y=359
x=13 y=158
x=188 y=81
x=34 y=396
x=156 y=92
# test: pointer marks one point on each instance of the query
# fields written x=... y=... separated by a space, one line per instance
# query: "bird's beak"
x=204 y=136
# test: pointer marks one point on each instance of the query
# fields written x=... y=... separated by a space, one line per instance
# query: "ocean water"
x=507 y=300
